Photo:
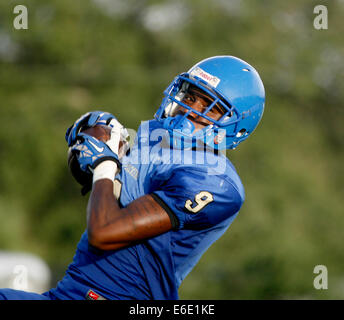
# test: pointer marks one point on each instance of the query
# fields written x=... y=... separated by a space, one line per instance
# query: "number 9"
x=202 y=199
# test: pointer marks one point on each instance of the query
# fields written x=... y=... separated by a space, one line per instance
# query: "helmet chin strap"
x=183 y=129
x=180 y=123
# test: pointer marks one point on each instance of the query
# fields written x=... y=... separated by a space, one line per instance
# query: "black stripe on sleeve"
x=173 y=217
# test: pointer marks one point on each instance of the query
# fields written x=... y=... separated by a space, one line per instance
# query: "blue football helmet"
x=231 y=84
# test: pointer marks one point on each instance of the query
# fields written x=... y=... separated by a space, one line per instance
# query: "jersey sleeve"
x=195 y=200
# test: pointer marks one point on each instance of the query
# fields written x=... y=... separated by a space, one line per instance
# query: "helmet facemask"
x=178 y=117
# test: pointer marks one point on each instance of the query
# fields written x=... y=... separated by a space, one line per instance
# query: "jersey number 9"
x=201 y=199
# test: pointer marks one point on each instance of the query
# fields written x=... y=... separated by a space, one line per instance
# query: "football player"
x=153 y=212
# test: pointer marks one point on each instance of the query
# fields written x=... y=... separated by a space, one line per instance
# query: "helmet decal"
x=207 y=77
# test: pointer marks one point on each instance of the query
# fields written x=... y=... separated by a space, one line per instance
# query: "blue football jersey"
x=202 y=194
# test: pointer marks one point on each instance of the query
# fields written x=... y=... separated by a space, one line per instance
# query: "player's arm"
x=111 y=227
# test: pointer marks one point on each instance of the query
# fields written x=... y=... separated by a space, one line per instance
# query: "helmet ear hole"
x=242 y=132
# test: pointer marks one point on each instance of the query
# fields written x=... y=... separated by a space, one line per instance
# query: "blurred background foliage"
x=119 y=55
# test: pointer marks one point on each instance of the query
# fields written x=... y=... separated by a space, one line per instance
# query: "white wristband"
x=105 y=170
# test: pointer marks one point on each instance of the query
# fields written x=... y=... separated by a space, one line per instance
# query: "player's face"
x=199 y=101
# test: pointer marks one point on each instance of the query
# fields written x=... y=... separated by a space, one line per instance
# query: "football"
x=100 y=132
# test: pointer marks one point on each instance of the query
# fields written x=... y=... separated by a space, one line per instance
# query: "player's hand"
x=87 y=120
x=91 y=152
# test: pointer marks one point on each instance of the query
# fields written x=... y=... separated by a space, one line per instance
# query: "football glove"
x=87 y=120
x=91 y=152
